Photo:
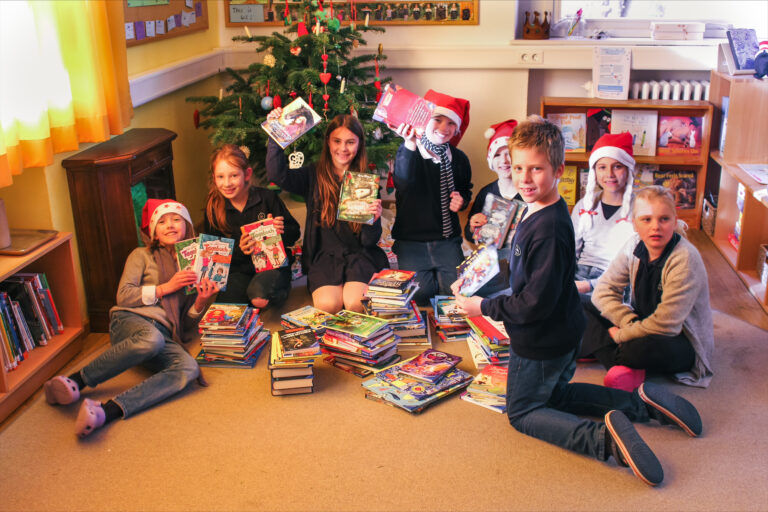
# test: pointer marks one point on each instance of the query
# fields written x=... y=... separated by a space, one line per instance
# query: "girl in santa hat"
x=152 y=320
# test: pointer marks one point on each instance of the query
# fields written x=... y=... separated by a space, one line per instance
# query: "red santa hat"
x=154 y=209
x=498 y=136
x=455 y=109
x=613 y=145
x=763 y=47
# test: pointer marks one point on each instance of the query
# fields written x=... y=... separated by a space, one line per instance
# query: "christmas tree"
x=315 y=65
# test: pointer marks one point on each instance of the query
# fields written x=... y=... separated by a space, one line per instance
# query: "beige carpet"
x=233 y=446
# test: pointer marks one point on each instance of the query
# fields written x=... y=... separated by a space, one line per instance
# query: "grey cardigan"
x=684 y=304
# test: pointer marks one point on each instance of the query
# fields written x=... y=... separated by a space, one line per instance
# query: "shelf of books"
x=41 y=319
x=670 y=143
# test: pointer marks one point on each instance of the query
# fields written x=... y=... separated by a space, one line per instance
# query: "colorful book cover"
x=583 y=179
x=446 y=309
x=598 y=124
x=186 y=253
x=220 y=315
x=359 y=190
x=574 y=129
x=391 y=280
x=641 y=124
x=644 y=175
x=499 y=214
x=398 y=105
x=300 y=340
x=567 y=184
x=296 y=119
x=679 y=135
x=268 y=251
x=492 y=380
x=479 y=268
x=521 y=206
x=308 y=316
x=418 y=388
x=214 y=256
x=743 y=43
x=356 y=324
x=429 y=366
x=682 y=184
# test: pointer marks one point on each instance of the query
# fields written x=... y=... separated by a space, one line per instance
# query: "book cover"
x=574 y=129
x=356 y=324
x=186 y=253
x=598 y=124
x=220 y=315
x=499 y=214
x=296 y=119
x=358 y=191
x=391 y=280
x=429 y=366
x=682 y=184
x=269 y=251
x=492 y=380
x=641 y=124
x=743 y=43
x=297 y=341
x=644 y=175
x=567 y=184
x=521 y=207
x=398 y=105
x=214 y=256
x=477 y=269
x=17 y=290
x=308 y=316
x=679 y=135
x=583 y=179
x=724 y=124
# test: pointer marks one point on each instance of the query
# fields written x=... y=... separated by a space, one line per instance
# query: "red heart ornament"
x=326 y=96
x=324 y=57
x=296 y=50
x=325 y=77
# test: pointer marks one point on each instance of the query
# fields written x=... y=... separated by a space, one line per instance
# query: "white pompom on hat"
x=455 y=109
x=154 y=209
x=498 y=136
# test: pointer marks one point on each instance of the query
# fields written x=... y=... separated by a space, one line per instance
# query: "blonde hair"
x=538 y=133
x=659 y=193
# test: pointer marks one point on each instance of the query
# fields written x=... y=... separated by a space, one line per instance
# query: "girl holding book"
x=338 y=258
x=233 y=203
x=152 y=320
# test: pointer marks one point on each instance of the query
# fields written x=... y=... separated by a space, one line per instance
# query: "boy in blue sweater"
x=545 y=322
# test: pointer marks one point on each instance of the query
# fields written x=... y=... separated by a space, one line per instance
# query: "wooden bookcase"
x=697 y=163
x=745 y=142
x=54 y=258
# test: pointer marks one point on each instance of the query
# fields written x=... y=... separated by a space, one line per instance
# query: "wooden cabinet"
x=100 y=181
x=678 y=162
x=54 y=258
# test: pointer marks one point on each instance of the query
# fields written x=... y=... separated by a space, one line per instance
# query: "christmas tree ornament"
x=270 y=60
x=247 y=32
x=355 y=43
x=301 y=29
x=266 y=103
x=377 y=133
x=293 y=95
x=240 y=106
x=334 y=25
x=196 y=118
x=287 y=15
x=277 y=102
x=352 y=111
x=377 y=83
x=295 y=160
x=325 y=78
x=343 y=85
x=295 y=50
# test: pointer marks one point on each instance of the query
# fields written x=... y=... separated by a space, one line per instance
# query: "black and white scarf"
x=446 y=181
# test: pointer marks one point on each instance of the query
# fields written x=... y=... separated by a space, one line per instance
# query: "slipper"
x=90 y=417
x=61 y=390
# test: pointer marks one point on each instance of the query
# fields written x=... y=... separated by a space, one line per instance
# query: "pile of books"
x=419 y=382
x=489 y=389
x=449 y=323
x=292 y=361
x=391 y=289
x=307 y=316
x=359 y=344
x=233 y=336
x=488 y=341
x=409 y=323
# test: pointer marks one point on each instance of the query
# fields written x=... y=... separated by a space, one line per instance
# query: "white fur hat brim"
x=611 y=152
x=450 y=114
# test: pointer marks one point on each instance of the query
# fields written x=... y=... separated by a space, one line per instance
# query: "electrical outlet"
x=531 y=57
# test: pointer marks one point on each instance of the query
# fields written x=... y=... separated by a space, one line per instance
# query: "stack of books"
x=391 y=289
x=409 y=323
x=233 y=336
x=359 y=344
x=488 y=341
x=307 y=316
x=292 y=361
x=489 y=389
x=419 y=382
x=449 y=323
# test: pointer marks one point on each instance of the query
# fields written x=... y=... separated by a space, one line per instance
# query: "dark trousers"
x=273 y=285
x=435 y=265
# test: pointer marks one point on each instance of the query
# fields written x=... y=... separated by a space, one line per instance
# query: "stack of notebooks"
x=419 y=382
x=449 y=323
x=489 y=389
x=359 y=344
x=409 y=323
x=292 y=361
x=233 y=336
x=488 y=341
x=307 y=316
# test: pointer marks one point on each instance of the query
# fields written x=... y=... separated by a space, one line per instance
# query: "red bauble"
x=276 y=101
x=196 y=118
x=301 y=28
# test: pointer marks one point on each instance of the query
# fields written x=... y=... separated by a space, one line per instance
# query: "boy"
x=545 y=322
x=433 y=181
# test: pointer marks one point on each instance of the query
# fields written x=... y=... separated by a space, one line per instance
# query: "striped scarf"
x=446 y=181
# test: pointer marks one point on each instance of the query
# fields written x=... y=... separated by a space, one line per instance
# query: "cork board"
x=154 y=20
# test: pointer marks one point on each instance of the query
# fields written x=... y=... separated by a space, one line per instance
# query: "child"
x=667 y=327
x=545 y=321
x=232 y=203
x=433 y=181
x=148 y=326
x=338 y=257
x=601 y=219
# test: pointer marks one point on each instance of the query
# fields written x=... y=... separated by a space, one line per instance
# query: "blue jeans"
x=434 y=262
x=588 y=273
x=137 y=340
x=542 y=404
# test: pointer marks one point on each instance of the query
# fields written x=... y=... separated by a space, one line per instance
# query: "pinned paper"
x=150 y=28
x=199 y=9
x=189 y=3
x=140 y=28
x=187 y=18
x=160 y=27
x=177 y=19
x=129 y=31
x=171 y=23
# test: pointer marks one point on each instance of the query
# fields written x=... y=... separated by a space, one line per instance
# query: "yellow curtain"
x=63 y=79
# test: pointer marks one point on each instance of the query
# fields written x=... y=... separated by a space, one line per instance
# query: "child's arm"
x=408 y=134
x=292 y=180
x=408 y=169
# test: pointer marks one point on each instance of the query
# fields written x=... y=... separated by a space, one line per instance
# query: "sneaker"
x=674 y=409
x=90 y=417
x=624 y=377
x=632 y=449
x=61 y=390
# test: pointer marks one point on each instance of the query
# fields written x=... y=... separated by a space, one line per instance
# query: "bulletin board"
x=154 y=20
x=272 y=12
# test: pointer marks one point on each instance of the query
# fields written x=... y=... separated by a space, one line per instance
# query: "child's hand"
x=477 y=220
x=247 y=243
x=456 y=201
x=614 y=333
x=408 y=134
x=583 y=286
x=275 y=114
x=278 y=223
x=375 y=209
x=179 y=280
x=205 y=290
x=469 y=305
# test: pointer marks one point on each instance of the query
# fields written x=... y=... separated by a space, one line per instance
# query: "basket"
x=708 y=214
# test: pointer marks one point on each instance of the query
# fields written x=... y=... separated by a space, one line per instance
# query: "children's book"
x=186 y=253
x=682 y=184
x=359 y=190
x=574 y=129
x=598 y=124
x=429 y=366
x=296 y=119
x=567 y=184
x=492 y=380
x=398 y=105
x=307 y=316
x=644 y=176
x=446 y=309
x=268 y=252
x=220 y=315
x=391 y=281
x=299 y=341
x=521 y=206
x=356 y=324
x=583 y=179
x=499 y=214
x=214 y=256
x=679 y=135
x=743 y=43
x=641 y=124
x=479 y=268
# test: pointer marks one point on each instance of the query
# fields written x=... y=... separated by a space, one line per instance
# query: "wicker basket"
x=708 y=214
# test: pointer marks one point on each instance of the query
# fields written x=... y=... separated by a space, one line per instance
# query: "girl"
x=234 y=202
x=148 y=326
x=339 y=258
x=601 y=220
x=667 y=327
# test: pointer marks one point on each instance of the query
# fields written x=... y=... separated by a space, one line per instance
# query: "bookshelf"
x=54 y=258
x=682 y=162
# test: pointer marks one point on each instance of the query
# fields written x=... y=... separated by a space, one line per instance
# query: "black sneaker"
x=675 y=409
x=632 y=449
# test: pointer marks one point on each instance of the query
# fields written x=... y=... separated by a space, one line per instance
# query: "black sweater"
x=543 y=316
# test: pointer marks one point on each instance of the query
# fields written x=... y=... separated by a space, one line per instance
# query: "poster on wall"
x=610 y=73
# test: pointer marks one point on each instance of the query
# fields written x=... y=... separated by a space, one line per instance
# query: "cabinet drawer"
x=149 y=161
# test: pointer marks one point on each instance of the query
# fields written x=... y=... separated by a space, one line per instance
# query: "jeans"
x=588 y=273
x=542 y=404
x=136 y=340
x=434 y=262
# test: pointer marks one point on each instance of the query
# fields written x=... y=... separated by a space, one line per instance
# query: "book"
x=214 y=256
x=220 y=315
x=430 y=366
x=598 y=124
x=359 y=190
x=567 y=184
x=296 y=119
x=641 y=124
x=682 y=184
x=186 y=254
x=743 y=44
x=759 y=172
x=574 y=129
x=583 y=179
x=499 y=213
x=724 y=124
x=269 y=251
x=356 y=324
x=292 y=391
x=301 y=341
x=18 y=291
x=307 y=316
x=679 y=135
x=302 y=381
x=398 y=105
x=390 y=280
x=644 y=175
x=477 y=269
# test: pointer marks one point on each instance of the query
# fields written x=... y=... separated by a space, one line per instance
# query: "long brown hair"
x=214 y=207
x=328 y=187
